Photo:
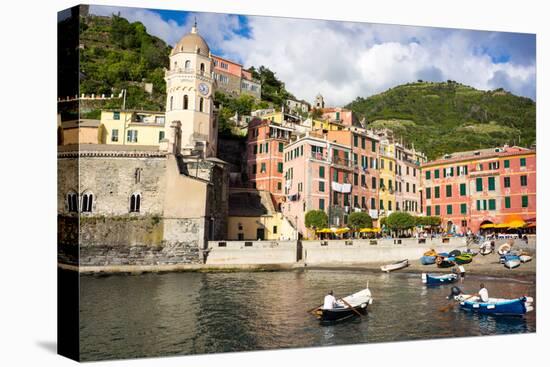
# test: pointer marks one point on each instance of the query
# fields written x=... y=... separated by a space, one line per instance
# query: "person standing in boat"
x=483 y=293
x=330 y=301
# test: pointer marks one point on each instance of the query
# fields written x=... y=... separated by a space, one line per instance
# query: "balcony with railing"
x=341 y=162
x=318 y=156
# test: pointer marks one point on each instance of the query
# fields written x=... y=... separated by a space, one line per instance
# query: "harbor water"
x=148 y=315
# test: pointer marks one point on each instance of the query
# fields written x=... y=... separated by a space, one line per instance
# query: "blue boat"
x=427 y=260
x=511 y=307
x=430 y=279
x=510 y=261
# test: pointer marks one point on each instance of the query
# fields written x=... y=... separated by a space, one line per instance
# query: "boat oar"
x=314 y=309
x=448 y=307
x=353 y=309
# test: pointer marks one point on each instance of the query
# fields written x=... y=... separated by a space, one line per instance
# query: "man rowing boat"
x=330 y=302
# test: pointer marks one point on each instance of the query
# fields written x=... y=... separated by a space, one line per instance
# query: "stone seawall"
x=123 y=240
x=373 y=251
x=251 y=252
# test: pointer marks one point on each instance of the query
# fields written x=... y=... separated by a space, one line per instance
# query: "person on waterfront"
x=483 y=293
x=330 y=301
x=459 y=270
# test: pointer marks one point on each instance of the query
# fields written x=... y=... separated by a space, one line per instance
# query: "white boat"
x=350 y=306
x=395 y=266
x=486 y=248
x=504 y=249
x=525 y=258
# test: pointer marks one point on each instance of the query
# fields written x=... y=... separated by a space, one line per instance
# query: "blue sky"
x=343 y=60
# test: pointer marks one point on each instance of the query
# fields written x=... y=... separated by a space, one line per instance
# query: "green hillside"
x=116 y=54
x=447 y=117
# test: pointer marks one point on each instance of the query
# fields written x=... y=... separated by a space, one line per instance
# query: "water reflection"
x=188 y=313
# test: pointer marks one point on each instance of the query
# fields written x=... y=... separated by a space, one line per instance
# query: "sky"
x=344 y=60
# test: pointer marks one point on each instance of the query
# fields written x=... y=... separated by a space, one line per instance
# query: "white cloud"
x=343 y=60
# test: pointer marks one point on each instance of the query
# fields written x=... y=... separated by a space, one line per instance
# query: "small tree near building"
x=316 y=219
x=359 y=220
x=400 y=221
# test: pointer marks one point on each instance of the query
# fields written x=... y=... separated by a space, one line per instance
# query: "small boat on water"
x=358 y=301
x=395 y=266
x=496 y=306
x=430 y=279
x=427 y=260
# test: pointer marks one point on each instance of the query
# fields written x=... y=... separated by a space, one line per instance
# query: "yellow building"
x=387 y=178
x=326 y=125
x=252 y=216
x=132 y=127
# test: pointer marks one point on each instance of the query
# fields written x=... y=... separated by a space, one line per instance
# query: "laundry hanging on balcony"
x=343 y=188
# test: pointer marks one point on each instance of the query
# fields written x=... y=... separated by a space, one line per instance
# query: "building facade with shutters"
x=264 y=157
x=486 y=187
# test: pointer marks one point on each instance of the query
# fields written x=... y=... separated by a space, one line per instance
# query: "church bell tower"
x=189 y=96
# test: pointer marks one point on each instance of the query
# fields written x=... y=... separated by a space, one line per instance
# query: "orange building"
x=264 y=157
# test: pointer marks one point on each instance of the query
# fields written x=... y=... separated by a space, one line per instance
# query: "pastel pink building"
x=317 y=176
x=364 y=174
x=488 y=186
x=338 y=115
x=264 y=157
x=407 y=179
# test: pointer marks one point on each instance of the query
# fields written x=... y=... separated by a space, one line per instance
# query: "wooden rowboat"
x=496 y=306
x=348 y=307
x=430 y=279
x=395 y=266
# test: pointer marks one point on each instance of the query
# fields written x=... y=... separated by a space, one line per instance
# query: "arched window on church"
x=185 y=102
x=87 y=202
x=135 y=203
x=171 y=103
x=202 y=68
x=175 y=65
x=72 y=202
x=187 y=65
x=201 y=104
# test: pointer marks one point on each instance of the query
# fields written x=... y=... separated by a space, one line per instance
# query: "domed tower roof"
x=192 y=43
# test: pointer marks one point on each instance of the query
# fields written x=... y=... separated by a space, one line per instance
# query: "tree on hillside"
x=273 y=90
x=316 y=219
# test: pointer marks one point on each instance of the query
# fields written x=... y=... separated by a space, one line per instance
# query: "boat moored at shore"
x=431 y=279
